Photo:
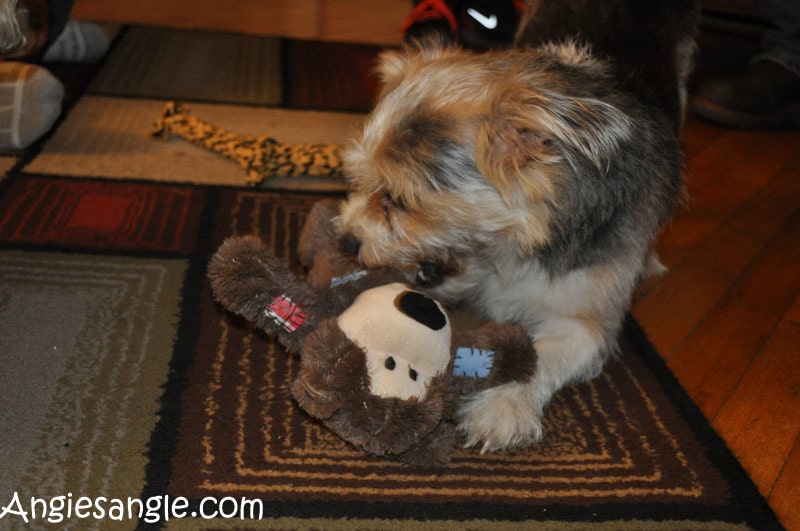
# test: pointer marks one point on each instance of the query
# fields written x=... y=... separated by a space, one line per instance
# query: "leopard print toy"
x=261 y=156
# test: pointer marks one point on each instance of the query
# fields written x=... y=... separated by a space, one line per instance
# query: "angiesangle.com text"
x=150 y=510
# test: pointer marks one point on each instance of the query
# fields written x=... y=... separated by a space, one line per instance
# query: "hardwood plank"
x=332 y=20
x=716 y=355
x=728 y=155
x=760 y=420
x=670 y=308
x=785 y=497
x=721 y=178
x=699 y=134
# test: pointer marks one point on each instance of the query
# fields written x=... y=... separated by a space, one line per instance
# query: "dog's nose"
x=349 y=244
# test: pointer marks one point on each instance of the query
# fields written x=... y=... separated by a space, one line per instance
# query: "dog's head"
x=471 y=156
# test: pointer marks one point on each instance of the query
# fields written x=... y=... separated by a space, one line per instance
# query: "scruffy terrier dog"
x=529 y=183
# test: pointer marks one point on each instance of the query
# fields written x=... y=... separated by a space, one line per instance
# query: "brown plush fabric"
x=319 y=249
x=333 y=383
x=246 y=278
x=514 y=358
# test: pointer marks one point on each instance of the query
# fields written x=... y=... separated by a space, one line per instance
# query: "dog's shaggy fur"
x=529 y=183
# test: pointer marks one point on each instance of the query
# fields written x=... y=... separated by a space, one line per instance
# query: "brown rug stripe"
x=325 y=75
x=192 y=65
x=608 y=441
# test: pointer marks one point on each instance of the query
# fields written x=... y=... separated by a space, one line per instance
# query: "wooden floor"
x=726 y=317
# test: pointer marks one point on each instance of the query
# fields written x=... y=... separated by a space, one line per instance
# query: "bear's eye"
x=412 y=374
x=390 y=363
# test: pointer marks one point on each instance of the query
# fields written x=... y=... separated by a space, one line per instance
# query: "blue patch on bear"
x=473 y=362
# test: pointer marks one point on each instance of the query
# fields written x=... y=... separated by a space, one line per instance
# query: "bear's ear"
x=416 y=419
x=320 y=232
x=249 y=280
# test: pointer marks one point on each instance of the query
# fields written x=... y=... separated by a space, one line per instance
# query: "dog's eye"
x=389 y=202
x=390 y=363
x=412 y=374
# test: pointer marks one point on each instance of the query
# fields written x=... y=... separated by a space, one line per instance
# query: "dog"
x=529 y=183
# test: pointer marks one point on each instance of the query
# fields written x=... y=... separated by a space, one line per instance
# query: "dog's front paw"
x=500 y=418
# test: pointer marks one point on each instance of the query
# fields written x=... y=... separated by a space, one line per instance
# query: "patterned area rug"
x=130 y=397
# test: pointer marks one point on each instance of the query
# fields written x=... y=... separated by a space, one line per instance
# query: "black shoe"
x=765 y=96
x=485 y=24
x=431 y=19
x=476 y=24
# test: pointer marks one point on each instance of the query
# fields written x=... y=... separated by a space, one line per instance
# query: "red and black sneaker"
x=476 y=24
x=431 y=18
x=485 y=24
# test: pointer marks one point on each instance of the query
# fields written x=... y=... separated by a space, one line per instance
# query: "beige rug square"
x=109 y=137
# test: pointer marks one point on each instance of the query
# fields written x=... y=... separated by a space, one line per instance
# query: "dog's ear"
x=530 y=137
x=530 y=141
x=391 y=67
x=509 y=141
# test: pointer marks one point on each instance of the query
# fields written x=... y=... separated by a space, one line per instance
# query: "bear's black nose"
x=422 y=309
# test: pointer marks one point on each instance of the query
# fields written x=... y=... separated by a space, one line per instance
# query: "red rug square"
x=101 y=214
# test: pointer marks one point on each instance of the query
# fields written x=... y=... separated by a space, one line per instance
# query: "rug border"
x=747 y=506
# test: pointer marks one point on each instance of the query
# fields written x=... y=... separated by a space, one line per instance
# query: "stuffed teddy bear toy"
x=380 y=362
x=260 y=156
